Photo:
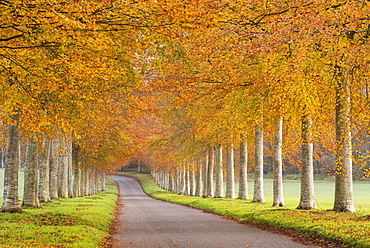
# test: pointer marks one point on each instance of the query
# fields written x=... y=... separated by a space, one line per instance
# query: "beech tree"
x=230 y=188
x=243 y=179
x=219 y=189
x=258 y=195
x=44 y=171
x=31 y=175
x=210 y=171
x=10 y=196
x=278 y=200
x=343 y=187
x=307 y=184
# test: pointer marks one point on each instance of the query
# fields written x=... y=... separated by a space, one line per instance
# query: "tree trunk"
x=258 y=195
x=170 y=181
x=102 y=179
x=177 y=181
x=44 y=167
x=181 y=180
x=278 y=200
x=86 y=182
x=77 y=182
x=70 y=166
x=31 y=176
x=192 y=182
x=307 y=200
x=211 y=165
x=343 y=200
x=10 y=197
x=167 y=178
x=199 y=186
x=53 y=186
x=77 y=171
x=187 y=179
x=205 y=172
x=63 y=170
x=174 y=181
x=219 y=190
x=230 y=188
x=94 y=188
x=243 y=179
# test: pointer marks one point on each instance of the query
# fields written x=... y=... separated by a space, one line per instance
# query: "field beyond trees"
x=339 y=229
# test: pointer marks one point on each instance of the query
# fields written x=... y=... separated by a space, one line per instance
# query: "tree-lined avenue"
x=147 y=222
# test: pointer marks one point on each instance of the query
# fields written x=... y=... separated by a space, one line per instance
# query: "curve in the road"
x=147 y=222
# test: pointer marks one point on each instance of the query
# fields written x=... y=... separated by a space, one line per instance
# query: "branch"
x=11 y=38
x=28 y=47
x=261 y=17
x=16 y=63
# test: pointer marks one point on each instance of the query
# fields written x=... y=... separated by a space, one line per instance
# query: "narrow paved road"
x=147 y=222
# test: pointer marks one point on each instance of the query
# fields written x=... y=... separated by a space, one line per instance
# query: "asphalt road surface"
x=147 y=222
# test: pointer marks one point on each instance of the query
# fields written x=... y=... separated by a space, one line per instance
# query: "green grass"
x=75 y=222
x=350 y=229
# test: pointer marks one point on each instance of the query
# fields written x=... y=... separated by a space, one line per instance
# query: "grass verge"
x=322 y=226
x=75 y=222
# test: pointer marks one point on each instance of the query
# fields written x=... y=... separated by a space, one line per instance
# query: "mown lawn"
x=76 y=222
x=323 y=225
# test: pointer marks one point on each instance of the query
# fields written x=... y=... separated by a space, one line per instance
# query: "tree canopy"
x=161 y=80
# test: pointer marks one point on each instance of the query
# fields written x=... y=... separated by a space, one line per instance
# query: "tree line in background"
x=175 y=84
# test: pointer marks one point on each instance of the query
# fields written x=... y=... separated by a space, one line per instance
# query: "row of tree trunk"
x=52 y=169
x=207 y=177
x=200 y=181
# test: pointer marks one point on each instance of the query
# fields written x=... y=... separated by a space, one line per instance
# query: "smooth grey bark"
x=219 y=189
x=167 y=180
x=102 y=180
x=307 y=200
x=10 y=196
x=192 y=182
x=230 y=177
x=258 y=194
x=243 y=174
x=77 y=182
x=181 y=178
x=199 y=178
x=175 y=181
x=205 y=172
x=170 y=181
x=187 y=179
x=178 y=181
x=163 y=179
x=278 y=197
x=77 y=171
x=31 y=176
x=63 y=170
x=70 y=166
x=94 y=186
x=85 y=183
x=210 y=169
x=53 y=180
x=44 y=170
x=343 y=200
